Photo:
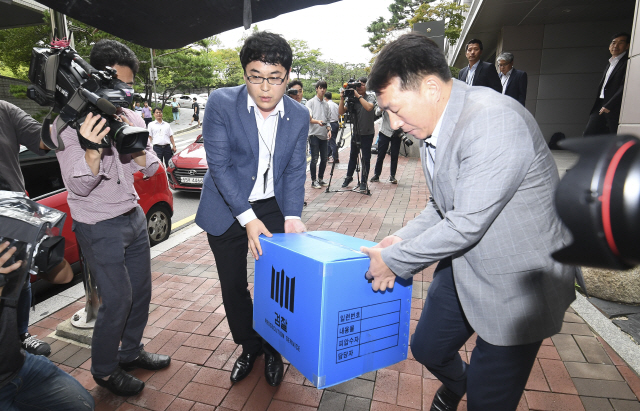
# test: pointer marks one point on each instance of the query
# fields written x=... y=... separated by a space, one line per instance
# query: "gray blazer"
x=492 y=212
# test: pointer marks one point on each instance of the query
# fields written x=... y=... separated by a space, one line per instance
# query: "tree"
x=449 y=11
x=303 y=57
x=401 y=12
x=16 y=45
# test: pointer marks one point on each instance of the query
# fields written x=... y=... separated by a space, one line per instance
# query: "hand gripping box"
x=314 y=305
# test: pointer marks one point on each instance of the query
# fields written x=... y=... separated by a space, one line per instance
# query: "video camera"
x=292 y=92
x=599 y=201
x=34 y=230
x=350 y=87
x=62 y=80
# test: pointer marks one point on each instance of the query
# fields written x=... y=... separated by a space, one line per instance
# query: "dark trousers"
x=117 y=251
x=365 y=147
x=147 y=120
x=230 y=252
x=496 y=376
x=605 y=123
x=164 y=153
x=383 y=145
x=22 y=310
x=317 y=146
x=332 y=144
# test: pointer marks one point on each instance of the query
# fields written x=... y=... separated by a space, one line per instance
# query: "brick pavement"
x=575 y=369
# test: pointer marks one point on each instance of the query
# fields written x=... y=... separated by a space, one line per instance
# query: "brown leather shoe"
x=445 y=400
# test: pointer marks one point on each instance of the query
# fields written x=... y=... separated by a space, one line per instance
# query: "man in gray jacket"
x=490 y=223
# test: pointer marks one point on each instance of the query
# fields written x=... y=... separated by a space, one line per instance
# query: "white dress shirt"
x=160 y=133
x=267 y=130
x=472 y=73
x=432 y=142
x=504 y=79
x=613 y=61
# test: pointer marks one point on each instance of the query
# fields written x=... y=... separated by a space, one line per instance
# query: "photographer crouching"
x=28 y=381
x=363 y=134
x=111 y=229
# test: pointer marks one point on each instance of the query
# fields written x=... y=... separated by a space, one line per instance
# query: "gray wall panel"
x=631 y=97
x=586 y=34
x=522 y=37
x=574 y=60
x=569 y=130
x=563 y=111
x=561 y=86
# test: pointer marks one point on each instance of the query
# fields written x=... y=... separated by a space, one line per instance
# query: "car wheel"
x=158 y=224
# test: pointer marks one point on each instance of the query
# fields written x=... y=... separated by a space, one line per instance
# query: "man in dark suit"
x=255 y=141
x=479 y=73
x=605 y=113
x=491 y=223
x=514 y=82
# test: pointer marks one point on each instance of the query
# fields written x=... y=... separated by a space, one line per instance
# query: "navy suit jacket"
x=231 y=143
x=517 y=86
x=486 y=75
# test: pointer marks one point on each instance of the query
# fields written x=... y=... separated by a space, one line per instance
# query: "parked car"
x=187 y=168
x=43 y=181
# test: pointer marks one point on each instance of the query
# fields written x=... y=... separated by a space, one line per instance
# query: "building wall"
x=564 y=64
x=630 y=116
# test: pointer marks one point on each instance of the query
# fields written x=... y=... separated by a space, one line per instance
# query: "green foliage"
x=454 y=71
x=449 y=11
x=304 y=59
x=16 y=45
x=18 y=90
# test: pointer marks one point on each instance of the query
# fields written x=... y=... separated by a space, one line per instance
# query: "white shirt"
x=471 y=73
x=504 y=79
x=432 y=142
x=334 y=115
x=613 y=61
x=267 y=130
x=160 y=132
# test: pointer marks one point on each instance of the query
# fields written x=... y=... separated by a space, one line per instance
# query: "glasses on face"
x=274 y=81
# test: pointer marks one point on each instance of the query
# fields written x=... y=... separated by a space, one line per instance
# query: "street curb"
x=619 y=341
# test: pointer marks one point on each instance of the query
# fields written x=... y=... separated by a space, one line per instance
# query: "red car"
x=44 y=184
x=187 y=168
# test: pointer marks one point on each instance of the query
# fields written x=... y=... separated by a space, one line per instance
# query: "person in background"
x=387 y=136
x=479 y=73
x=175 y=110
x=333 y=156
x=137 y=108
x=514 y=82
x=146 y=114
x=196 y=113
x=605 y=113
x=319 y=133
x=161 y=138
x=295 y=91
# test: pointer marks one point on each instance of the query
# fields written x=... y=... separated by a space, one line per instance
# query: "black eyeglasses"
x=274 y=81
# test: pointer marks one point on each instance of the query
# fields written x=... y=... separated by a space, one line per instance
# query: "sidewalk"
x=575 y=369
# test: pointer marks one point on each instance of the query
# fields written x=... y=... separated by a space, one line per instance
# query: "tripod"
x=355 y=139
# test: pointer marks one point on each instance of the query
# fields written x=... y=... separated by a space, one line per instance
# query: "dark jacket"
x=517 y=86
x=486 y=75
x=613 y=89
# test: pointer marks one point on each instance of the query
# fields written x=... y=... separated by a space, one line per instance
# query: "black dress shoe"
x=147 y=361
x=120 y=383
x=273 y=368
x=347 y=181
x=445 y=400
x=243 y=366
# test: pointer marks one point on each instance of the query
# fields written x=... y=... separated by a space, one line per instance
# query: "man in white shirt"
x=605 y=113
x=255 y=144
x=334 y=118
x=161 y=137
x=319 y=133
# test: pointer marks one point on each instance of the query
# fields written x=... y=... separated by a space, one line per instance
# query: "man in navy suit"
x=605 y=113
x=479 y=73
x=514 y=82
x=255 y=141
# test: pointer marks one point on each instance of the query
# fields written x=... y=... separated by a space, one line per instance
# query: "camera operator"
x=111 y=229
x=387 y=136
x=363 y=107
x=294 y=90
x=30 y=381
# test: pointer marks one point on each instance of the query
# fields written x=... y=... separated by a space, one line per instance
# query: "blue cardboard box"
x=314 y=305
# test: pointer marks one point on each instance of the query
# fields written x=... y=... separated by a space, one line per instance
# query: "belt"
x=133 y=210
x=162 y=145
x=264 y=200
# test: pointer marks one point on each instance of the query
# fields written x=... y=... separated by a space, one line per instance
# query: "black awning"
x=168 y=24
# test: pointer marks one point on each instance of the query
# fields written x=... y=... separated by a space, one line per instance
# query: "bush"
x=454 y=71
x=18 y=90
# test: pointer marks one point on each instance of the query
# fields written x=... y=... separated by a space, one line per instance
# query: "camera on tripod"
x=62 y=80
x=349 y=88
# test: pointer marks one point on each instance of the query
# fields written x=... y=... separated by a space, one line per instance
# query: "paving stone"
x=557 y=376
x=622 y=405
x=596 y=404
x=592 y=350
x=260 y=397
x=386 y=386
x=631 y=378
x=78 y=358
x=537 y=381
x=567 y=348
x=409 y=391
x=332 y=401
x=357 y=404
x=544 y=401
x=572 y=318
x=203 y=393
x=152 y=400
x=576 y=329
x=593 y=371
x=65 y=353
x=356 y=387
x=299 y=394
x=603 y=389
